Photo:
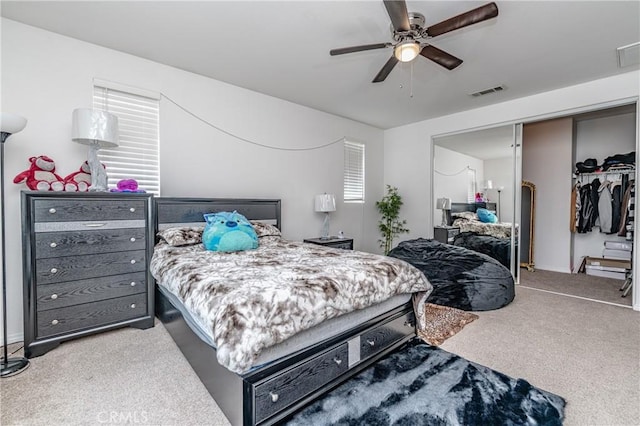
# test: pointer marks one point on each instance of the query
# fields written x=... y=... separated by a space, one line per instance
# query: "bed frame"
x=271 y=393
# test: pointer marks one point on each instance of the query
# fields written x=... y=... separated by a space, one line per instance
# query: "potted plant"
x=390 y=225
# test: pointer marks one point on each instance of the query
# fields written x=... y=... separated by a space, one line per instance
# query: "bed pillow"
x=486 y=216
x=265 y=229
x=185 y=236
x=227 y=232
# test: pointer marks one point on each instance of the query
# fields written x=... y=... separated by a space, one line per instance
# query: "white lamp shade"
x=91 y=126
x=407 y=51
x=325 y=203
x=443 y=203
x=11 y=123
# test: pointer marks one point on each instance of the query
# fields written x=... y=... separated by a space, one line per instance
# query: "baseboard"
x=13 y=338
x=553 y=269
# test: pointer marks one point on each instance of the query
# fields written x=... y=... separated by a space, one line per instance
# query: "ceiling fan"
x=411 y=38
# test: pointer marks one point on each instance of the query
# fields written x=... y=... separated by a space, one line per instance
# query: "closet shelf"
x=608 y=172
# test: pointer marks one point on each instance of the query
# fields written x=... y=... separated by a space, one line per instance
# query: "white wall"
x=45 y=76
x=547 y=163
x=500 y=172
x=407 y=149
x=600 y=138
x=451 y=179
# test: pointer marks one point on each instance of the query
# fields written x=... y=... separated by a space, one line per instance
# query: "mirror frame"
x=532 y=188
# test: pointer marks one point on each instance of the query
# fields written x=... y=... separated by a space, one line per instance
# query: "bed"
x=263 y=380
x=492 y=239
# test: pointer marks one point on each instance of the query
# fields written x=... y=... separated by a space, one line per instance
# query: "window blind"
x=353 y=171
x=138 y=155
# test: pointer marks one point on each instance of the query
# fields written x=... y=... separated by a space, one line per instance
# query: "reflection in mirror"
x=475 y=170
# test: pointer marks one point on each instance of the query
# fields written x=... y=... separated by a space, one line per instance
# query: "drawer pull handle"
x=133 y=306
x=133 y=283
x=132 y=239
x=337 y=361
x=408 y=324
x=94 y=225
x=371 y=342
x=133 y=261
x=54 y=322
x=132 y=209
x=274 y=397
x=54 y=270
x=54 y=296
x=52 y=210
x=53 y=245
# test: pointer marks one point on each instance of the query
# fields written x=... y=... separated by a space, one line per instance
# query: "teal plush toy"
x=226 y=231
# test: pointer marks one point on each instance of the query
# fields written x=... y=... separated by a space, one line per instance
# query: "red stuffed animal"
x=80 y=180
x=41 y=175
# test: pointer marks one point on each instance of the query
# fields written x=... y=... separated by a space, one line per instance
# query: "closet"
x=550 y=152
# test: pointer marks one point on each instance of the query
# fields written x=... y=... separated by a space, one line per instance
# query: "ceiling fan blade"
x=386 y=69
x=397 y=10
x=471 y=17
x=352 y=49
x=440 y=57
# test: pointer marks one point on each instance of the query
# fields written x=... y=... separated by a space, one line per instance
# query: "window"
x=353 y=172
x=471 y=185
x=137 y=157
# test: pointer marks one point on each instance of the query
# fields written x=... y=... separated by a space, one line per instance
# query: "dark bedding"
x=497 y=248
x=461 y=278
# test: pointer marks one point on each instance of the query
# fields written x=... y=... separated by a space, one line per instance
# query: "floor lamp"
x=9 y=124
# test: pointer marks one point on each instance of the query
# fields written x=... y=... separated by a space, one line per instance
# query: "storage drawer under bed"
x=292 y=385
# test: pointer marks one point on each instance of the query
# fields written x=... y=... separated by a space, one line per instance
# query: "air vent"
x=487 y=91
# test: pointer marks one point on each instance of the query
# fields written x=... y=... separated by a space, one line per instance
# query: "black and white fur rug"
x=421 y=384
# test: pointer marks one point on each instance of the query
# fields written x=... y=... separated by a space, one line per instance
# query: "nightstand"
x=85 y=265
x=445 y=234
x=335 y=242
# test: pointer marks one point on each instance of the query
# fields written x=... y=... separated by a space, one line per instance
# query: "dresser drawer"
x=345 y=246
x=54 y=296
x=78 y=317
x=379 y=338
x=69 y=268
x=300 y=381
x=58 y=244
x=68 y=210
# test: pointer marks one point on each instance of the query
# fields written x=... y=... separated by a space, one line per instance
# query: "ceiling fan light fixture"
x=407 y=50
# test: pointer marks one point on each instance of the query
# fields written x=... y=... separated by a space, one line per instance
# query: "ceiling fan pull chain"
x=411 y=82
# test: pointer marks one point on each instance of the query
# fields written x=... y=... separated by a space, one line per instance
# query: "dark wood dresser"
x=85 y=265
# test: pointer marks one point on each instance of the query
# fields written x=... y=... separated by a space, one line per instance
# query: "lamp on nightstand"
x=444 y=204
x=325 y=203
x=9 y=124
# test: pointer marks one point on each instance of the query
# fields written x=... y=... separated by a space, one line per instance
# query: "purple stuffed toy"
x=127 y=185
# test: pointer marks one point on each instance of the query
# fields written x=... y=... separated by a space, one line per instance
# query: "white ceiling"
x=281 y=48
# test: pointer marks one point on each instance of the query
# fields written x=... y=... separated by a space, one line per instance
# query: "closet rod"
x=608 y=172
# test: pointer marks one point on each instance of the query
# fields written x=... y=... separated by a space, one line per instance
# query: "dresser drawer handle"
x=53 y=245
x=133 y=261
x=274 y=397
x=94 y=225
x=132 y=239
x=54 y=322
x=54 y=296
x=132 y=209
x=54 y=270
x=133 y=283
x=52 y=210
x=371 y=342
x=133 y=306
x=337 y=360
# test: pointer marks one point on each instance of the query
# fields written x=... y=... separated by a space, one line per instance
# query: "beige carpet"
x=585 y=351
x=582 y=285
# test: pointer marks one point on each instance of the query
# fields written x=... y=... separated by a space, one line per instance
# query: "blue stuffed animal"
x=226 y=231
